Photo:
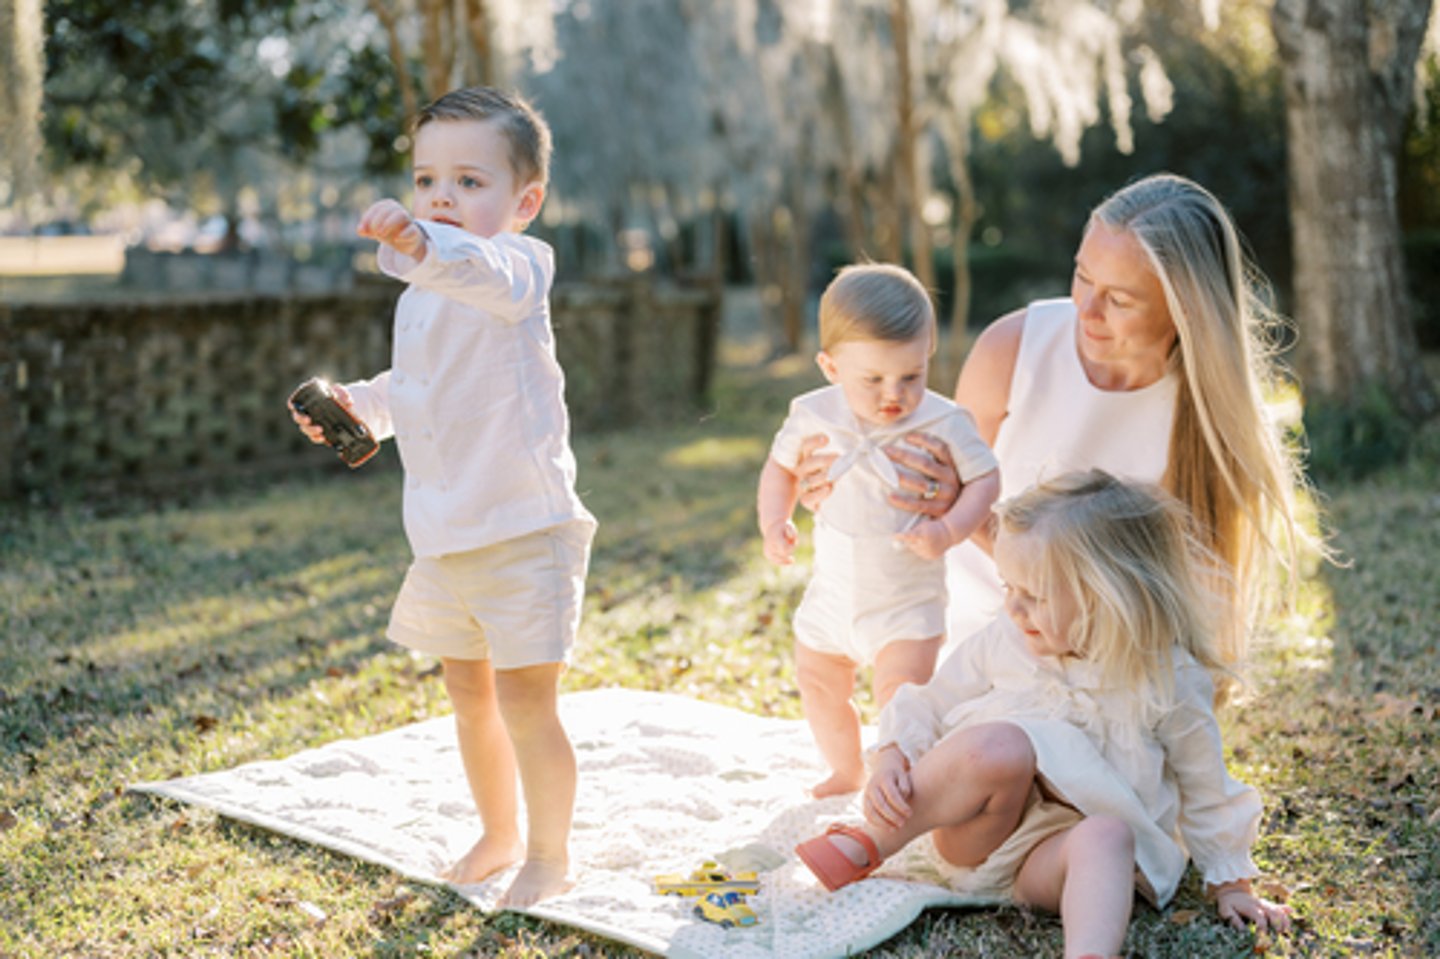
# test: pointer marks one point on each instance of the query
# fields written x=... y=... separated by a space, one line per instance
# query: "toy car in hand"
x=343 y=432
x=726 y=909
x=707 y=879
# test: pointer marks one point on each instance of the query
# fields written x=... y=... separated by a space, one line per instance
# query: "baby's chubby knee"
x=823 y=674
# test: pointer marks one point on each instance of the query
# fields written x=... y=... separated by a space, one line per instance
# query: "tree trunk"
x=1348 y=68
x=851 y=188
x=387 y=17
x=22 y=78
x=481 y=67
x=437 y=42
x=883 y=195
x=955 y=128
x=764 y=266
x=912 y=176
x=795 y=269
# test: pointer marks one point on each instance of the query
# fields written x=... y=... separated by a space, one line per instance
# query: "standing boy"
x=475 y=400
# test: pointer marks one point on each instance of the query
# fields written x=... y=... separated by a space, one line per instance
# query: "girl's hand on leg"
x=887 y=794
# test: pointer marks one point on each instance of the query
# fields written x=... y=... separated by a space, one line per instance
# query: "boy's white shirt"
x=474 y=396
x=863 y=474
x=1166 y=776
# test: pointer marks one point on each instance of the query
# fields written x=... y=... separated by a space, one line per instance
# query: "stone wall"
x=157 y=392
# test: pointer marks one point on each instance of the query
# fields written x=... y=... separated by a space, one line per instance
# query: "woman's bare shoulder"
x=984 y=385
x=999 y=340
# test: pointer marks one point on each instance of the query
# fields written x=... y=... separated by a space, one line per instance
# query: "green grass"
x=151 y=640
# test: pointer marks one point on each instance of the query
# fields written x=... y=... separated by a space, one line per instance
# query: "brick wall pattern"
x=155 y=392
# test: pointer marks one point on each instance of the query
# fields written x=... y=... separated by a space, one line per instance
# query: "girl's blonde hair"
x=1228 y=461
x=875 y=301
x=1142 y=581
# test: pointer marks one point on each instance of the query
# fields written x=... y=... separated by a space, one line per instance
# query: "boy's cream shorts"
x=516 y=603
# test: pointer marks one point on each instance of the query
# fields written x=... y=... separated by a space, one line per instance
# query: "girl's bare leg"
x=529 y=703
x=970 y=791
x=1087 y=874
x=826 y=684
x=489 y=764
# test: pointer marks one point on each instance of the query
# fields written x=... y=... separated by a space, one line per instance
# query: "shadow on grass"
x=207 y=612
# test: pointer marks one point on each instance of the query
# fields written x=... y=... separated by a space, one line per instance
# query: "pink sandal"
x=831 y=866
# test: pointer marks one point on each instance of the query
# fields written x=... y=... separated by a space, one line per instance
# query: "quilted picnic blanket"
x=666 y=782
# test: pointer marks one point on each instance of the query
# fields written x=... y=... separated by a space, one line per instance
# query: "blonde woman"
x=1068 y=755
x=1155 y=369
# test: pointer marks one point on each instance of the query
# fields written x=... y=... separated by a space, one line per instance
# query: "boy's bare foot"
x=538 y=879
x=838 y=784
x=485 y=858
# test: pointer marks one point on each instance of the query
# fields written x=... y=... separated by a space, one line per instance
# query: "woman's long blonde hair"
x=1142 y=580
x=1228 y=461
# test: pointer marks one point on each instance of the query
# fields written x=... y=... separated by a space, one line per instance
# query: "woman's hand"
x=812 y=471
x=887 y=793
x=1237 y=905
x=929 y=482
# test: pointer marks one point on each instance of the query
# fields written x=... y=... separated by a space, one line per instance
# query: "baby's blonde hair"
x=875 y=301
x=1142 y=580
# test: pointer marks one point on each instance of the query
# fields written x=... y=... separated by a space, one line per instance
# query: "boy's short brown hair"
x=524 y=128
x=875 y=301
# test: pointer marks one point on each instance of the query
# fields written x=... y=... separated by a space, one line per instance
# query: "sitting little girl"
x=1069 y=753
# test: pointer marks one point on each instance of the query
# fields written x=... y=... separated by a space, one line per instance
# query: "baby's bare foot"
x=538 y=879
x=485 y=858
x=838 y=784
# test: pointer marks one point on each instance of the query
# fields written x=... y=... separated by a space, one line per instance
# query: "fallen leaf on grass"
x=1394 y=706
x=8 y=820
x=1274 y=891
x=205 y=722
x=1183 y=917
x=387 y=908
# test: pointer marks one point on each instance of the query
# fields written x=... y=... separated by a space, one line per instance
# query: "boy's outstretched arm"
x=774 y=505
x=390 y=223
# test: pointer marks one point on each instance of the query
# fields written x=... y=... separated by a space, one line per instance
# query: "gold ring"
x=931 y=490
